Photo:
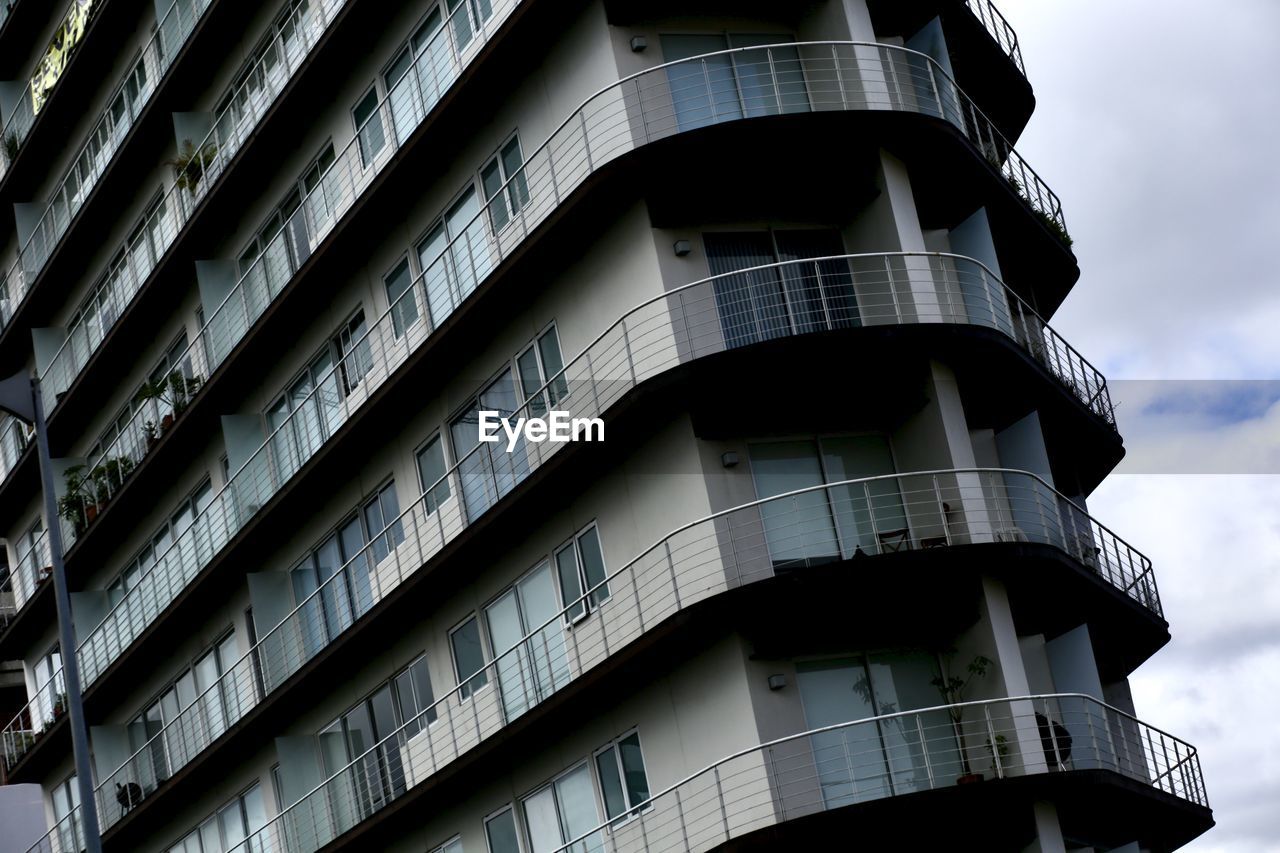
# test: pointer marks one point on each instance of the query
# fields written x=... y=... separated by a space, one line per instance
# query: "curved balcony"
x=125 y=104
x=637 y=111
x=684 y=324
x=679 y=326
x=728 y=550
x=642 y=109
x=999 y=30
x=893 y=755
x=277 y=64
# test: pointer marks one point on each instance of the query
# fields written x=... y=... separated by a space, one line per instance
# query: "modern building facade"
x=830 y=574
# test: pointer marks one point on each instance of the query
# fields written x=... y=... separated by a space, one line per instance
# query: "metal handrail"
x=901 y=79
x=99 y=148
x=726 y=549
x=903 y=752
x=999 y=29
x=136 y=261
x=645 y=338
x=23 y=115
x=570 y=147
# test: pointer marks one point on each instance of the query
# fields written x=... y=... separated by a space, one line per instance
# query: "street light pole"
x=20 y=396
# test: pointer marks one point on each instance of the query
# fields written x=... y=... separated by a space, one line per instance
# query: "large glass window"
x=624 y=784
x=417 y=70
x=368 y=122
x=342 y=599
x=382 y=521
x=727 y=86
x=819 y=525
x=500 y=832
x=528 y=641
x=454 y=256
x=563 y=811
x=468 y=657
x=66 y=799
x=404 y=307
x=372 y=734
x=468 y=16
x=229 y=828
x=536 y=366
x=505 y=188
x=580 y=567
x=893 y=756
x=777 y=301
x=487 y=471
x=431 y=474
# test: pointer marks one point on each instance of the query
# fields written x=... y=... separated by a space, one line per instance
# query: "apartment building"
x=831 y=572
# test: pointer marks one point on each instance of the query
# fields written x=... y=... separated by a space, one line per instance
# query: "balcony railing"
x=877 y=515
x=15 y=436
x=998 y=28
x=32 y=569
x=17 y=124
x=280 y=59
x=47 y=706
x=124 y=107
x=622 y=117
x=646 y=107
x=895 y=754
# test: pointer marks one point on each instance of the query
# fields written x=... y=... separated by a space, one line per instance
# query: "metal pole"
x=66 y=637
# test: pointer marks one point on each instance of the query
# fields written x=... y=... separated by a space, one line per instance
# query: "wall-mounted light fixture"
x=682 y=248
x=638 y=43
x=729 y=459
x=777 y=681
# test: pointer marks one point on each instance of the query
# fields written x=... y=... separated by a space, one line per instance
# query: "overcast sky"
x=1158 y=124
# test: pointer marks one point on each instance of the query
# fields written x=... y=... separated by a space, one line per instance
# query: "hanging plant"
x=190 y=164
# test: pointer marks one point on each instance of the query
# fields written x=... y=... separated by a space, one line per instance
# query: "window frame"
x=370 y=157
x=632 y=811
x=438 y=438
x=462 y=687
x=514 y=188
x=588 y=603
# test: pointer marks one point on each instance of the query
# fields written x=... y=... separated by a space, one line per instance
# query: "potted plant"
x=952 y=690
x=999 y=751
x=108 y=476
x=153 y=437
x=74 y=505
x=45 y=574
x=59 y=706
x=191 y=163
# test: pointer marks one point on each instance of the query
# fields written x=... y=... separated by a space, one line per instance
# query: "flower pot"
x=970 y=778
x=90 y=513
x=166 y=421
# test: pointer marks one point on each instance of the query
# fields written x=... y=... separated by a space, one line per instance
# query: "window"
x=303 y=417
x=369 y=129
x=368 y=737
x=563 y=811
x=183 y=517
x=821 y=525
x=623 y=781
x=468 y=657
x=580 y=567
x=404 y=304
x=66 y=799
x=431 y=474
x=536 y=366
x=410 y=66
x=488 y=471
x=506 y=165
x=239 y=106
x=500 y=832
x=283 y=252
x=858 y=763
x=730 y=85
x=382 y=522
x=342 y=599
x=529 y=669
x=215 y=711
x=31 y=555
x=51 y=689
x=778 y=301
x=229 y=828
x=453 y=845
x=353 y=352
x=454 y=256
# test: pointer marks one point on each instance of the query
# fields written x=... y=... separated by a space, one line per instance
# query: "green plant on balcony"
x=999 y=751
x=59 y=707
x=175 y=391
x=76 y=505
x=190 y=164
x=11 y=145
x=108 y=476
x=952 y=689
